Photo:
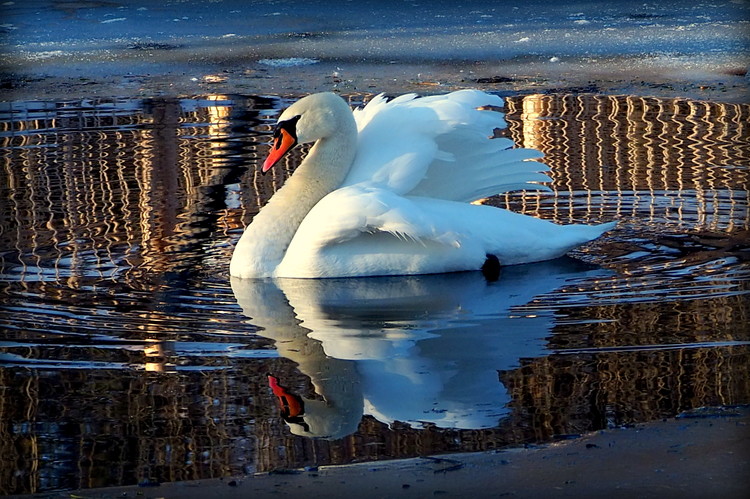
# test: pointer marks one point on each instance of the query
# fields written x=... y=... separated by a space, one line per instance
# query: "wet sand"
x=703 y=453
x=170 y=78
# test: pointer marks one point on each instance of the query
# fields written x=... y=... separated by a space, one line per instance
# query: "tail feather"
x=590 y=232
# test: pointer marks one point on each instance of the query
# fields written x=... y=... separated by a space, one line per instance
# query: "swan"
x=387 y=190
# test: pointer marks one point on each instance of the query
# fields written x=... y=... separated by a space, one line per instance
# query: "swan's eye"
x=284 y=139
x=289 y=126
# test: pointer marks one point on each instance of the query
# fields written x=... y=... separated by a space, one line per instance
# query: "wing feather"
x=364 y=230
x=440 y=147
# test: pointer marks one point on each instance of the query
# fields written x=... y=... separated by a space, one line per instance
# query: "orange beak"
x=283 y=141
x=291 y=405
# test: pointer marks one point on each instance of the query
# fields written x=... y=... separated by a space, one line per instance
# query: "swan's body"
x=386 y=190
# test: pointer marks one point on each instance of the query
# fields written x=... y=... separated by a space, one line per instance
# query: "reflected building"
x=687 y=161
x=122 y=183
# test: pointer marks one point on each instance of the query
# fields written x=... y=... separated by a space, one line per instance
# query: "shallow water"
x=128 y=354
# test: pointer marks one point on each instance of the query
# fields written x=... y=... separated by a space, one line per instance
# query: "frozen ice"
x=288 y=62
x=437 y=29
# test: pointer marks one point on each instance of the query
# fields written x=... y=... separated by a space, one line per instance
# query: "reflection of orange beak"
x=283 y=142
x=290 y=404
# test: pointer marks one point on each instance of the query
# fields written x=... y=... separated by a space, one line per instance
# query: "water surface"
x=127 y=353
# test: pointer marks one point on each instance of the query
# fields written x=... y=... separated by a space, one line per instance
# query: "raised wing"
x=440 y=147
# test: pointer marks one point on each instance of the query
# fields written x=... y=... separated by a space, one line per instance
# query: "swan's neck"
x=265 y=241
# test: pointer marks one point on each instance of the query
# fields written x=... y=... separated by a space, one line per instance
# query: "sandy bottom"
x=704 y=453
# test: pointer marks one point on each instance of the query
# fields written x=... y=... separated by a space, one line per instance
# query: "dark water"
x=126 y=352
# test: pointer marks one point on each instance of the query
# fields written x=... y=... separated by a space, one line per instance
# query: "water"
x=345 y=31
x=127 y=353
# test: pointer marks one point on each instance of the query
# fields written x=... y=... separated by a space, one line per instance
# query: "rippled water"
x=127 y=353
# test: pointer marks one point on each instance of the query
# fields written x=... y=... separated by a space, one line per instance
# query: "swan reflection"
x=418 y=349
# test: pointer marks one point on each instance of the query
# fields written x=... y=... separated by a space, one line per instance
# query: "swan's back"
x=438 y=147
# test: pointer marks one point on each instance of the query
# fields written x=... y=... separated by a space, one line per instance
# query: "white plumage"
x=386 y=190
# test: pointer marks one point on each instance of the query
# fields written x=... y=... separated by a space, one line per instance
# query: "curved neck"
x=265 y=241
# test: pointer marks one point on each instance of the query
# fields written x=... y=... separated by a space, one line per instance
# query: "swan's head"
x=310 y=119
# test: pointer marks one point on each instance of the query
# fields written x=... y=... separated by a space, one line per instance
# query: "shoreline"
x=701 y=453
x=173 y=78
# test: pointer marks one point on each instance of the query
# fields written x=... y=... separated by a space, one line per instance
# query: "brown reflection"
x=161 y=188
x=102 y=428
x=679 y=161
x=118 y=184
x=563 y=394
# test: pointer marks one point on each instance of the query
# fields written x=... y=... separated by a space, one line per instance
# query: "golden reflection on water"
x=118 y=195
x=102 y=201
x=686 y=161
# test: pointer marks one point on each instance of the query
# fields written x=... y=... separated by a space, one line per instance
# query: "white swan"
x=386 y=190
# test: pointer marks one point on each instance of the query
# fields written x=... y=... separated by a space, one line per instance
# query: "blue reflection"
x=425 y=350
